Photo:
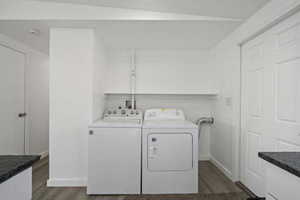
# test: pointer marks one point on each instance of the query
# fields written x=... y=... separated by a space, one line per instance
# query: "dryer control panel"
x=164 y=114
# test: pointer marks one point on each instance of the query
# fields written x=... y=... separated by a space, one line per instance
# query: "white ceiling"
x=164 y=34
x=201 y=34
x=128 y=34
x=19 y=30
x=241 y=9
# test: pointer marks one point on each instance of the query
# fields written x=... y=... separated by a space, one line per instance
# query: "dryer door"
x=170 y=151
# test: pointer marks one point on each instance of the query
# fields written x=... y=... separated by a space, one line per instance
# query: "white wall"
x=71 y=75
x=161 y=71
x=36 y=99
x=165 y=71
x=225 y=134
x=77 y=61
x=194 y=107
x=100 y=73
x=174 y=71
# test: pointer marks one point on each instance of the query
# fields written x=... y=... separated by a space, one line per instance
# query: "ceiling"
x=240 y=9
x=19 y=30
x=127 y=34
x=201 y=34
x=164 y=34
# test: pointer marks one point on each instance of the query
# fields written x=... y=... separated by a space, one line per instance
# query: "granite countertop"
x=12 y=165
x=289 y=161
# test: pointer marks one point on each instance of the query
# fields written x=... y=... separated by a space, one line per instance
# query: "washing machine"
x=114 y=153
x=169 y=153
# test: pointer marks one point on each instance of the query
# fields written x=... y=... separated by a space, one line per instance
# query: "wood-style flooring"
x=213 y=185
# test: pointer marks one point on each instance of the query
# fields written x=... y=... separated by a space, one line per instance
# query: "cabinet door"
x=114 y=161
x=282 y=185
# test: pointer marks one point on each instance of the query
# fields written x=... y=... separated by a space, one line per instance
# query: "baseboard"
x=44 y=154
x=245 y=189
x=65 y=182
x=204 y=157
x=221 y=167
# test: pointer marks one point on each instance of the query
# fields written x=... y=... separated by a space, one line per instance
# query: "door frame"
x=239 y=155
x=7 y=44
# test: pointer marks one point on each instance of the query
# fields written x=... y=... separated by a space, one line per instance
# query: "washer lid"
x=116 y=124
x=182 y=124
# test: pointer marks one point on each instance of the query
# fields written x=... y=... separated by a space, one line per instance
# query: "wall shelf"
x=204 y=93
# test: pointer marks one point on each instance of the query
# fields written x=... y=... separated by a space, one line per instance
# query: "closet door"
x=12 y=121
x=253 y=111
x=270 y=98
x=286 y=112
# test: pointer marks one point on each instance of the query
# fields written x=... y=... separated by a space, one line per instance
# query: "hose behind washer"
x=204 y=120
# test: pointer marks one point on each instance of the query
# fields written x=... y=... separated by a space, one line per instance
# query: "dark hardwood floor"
x=213 y=185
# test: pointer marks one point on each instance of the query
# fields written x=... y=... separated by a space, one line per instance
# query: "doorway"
x=12 y=101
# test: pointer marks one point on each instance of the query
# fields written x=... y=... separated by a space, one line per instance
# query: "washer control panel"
x=123 y=114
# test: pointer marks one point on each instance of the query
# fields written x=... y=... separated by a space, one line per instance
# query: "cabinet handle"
x=91 y=132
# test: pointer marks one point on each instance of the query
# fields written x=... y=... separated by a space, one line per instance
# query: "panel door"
x=170 y=152
x=253 y=129
x=270 y=98
x=286 y=112
x=12 y=84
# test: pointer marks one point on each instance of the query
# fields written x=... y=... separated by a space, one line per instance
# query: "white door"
x=270 y=98
x=286 y=112
x=11 y=101
x=253 y=129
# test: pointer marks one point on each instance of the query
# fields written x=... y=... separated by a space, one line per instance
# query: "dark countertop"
x=289 y=161
x=12 y=165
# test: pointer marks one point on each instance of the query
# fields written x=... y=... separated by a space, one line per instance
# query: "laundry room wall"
x=100 y=73
x=169 y=78
x=78 y=63
x=193 y=106
x=161 y=71
x=72 y=64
